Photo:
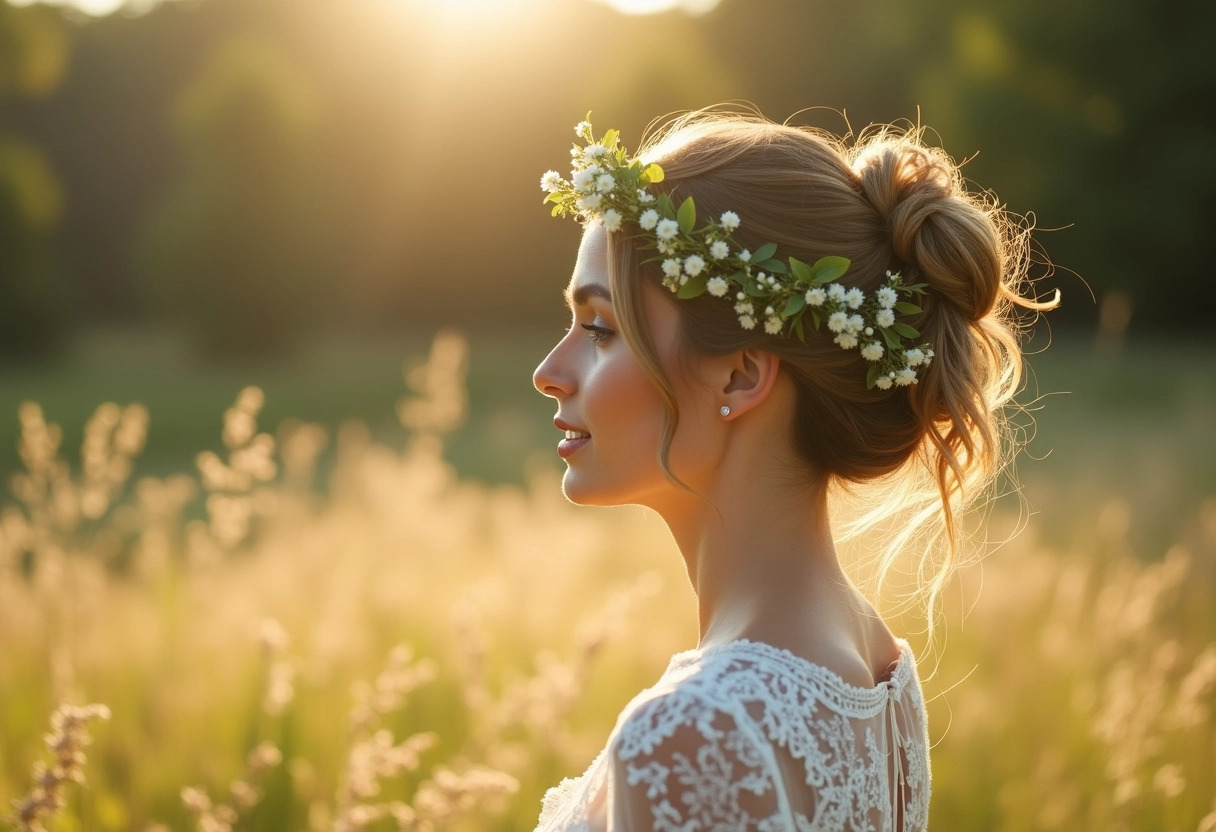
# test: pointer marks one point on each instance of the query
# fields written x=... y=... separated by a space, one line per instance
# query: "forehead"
x=590 y=277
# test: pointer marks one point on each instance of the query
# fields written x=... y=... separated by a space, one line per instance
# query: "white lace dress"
x=746 y=736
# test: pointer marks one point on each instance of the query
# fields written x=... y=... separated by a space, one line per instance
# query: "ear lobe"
x=752 y=377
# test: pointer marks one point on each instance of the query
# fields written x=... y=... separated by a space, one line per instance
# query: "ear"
x=750 y=377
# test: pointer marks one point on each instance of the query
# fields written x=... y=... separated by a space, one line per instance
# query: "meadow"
x=318 y=595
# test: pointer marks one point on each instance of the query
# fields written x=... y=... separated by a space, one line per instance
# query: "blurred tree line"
x=257 y=170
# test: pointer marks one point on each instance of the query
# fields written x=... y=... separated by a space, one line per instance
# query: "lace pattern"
x=747 y=736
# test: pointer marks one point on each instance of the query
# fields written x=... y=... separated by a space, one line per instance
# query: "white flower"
x=551 y=181
x=846 y=340
x=667 y=229
x=694 y=264
x=836 y=292
x=589 y=203
x=747 y=322
x=667 y=246
x=855 y=325
x=837 y=321
x=594 y=170
x=671 y=267
x=869 y=330
x=872 y=351
x=855 y=298
x=886 y=297
x=582 y=179
x=745 y=255
x=583 y=130
x=718 y=249
x=744 y=308
x=914 y=357
x=575 y=152
x=644 y=197
x=882 y=383
x=716 y=287
x=905 y=376
x=648 y=219
x=612 y=220
x=768 y=310
x=729 y=220
x=816 y=296
x=928 y=357
x=885 y=317
x=740 y=296
x=773 y=325
x=594 y=151
x=604 y=183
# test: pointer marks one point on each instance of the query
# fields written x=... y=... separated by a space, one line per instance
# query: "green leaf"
x=665 y=207
x=905 y=330
x=908 y=308
x=557 y=209
x=756 y=290
x=890 y=337
x=654 y=173
x=798 y=329
x=815 y=318
x=794 y=305
x=827 y=269
x=609 y=138
x=695 y=286
x=771 y=266
x=872 y=374
x=687 y=215
x=802 y=271
x=764 y=252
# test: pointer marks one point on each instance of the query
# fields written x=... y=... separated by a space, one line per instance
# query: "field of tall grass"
x=322 y=627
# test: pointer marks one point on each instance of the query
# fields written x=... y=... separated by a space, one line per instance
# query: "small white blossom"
x=914 y=357
x=583 y=130
x=768 y=310
x=589 y=203
x=740 y=296
x=846 y=340
x=855 y=325
x=716 y=286
x=762 y=277
x=872 y=351
x=773 y=325
x=612 y=220
x=575 y=152
x=885 y=317
x=594 y=170
x=869 y=330
x=667 y=246
x=594 y=151
x=836 y=292
x=816 y=296
x=744 y=308
x=886 y=297
x=582 y=179
x=667 y=229
x=683 y=279
x=649 y=219
x=604 y=183
x=882 y=383
x=718 y=249
x=645 y=198
x=837 y=321
x=729 y=220
x=671 y=267
x=905 y=376
x=694 y=264
x=747 y=322
x=551 y=181
x=928 y=356
x=745 y=255
x=855 y=298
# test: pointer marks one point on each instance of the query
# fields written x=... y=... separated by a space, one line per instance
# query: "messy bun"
x=886 y=201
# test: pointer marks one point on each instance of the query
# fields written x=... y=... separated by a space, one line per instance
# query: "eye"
x=596 y=332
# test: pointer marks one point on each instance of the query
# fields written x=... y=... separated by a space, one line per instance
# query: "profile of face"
x=610 y=409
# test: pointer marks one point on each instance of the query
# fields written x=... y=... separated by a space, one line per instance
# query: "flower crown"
x=607 y=185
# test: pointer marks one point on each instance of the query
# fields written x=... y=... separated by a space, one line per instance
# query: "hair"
x=886 y=201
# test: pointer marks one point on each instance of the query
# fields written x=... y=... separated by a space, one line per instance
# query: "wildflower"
x=886 y=297
x=905 y=376
x=914 y=357
x=744 y=308
x=582 y=179
x=589 y=203
x=718 y=249
x=773 y=325
x=612 y=220
x=594 y=151
x=855 y=324
x=846 y=340
x=816 y=296
x=836 y=293
x=745 y=255
x=716 y=286
x=671 y=267
x=837 y=321
x=648 y=219
x=885 y=317
x=583 y=130
x=855 y=298
x=729 y=220
x=645 y=198
x=872 y=351
x=694 y=264
x=667 y=229
x=551 y=181
x=604 y=183
x=883 y=382
x=747 y=322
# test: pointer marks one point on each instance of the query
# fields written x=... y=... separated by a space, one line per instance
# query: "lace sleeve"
x=680 y=764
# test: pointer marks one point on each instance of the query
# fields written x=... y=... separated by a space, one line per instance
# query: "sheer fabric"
x=746 y=736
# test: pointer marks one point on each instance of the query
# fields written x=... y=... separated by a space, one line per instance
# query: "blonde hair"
x=885 y=201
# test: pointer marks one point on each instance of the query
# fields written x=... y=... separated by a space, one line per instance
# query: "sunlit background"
x=240 y=221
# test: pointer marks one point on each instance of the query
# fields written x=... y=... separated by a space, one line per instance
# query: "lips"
x=573 y=440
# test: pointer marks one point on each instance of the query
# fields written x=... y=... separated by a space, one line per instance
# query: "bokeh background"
x=228 y=226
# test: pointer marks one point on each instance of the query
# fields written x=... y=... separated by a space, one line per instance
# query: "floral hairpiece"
x=607 y=185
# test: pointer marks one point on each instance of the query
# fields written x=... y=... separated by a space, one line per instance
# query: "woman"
x=763 y=314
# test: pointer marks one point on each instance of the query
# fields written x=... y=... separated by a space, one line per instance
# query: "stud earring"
x=724 y=410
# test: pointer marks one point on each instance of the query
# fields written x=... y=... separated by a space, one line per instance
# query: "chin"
x=578 y=490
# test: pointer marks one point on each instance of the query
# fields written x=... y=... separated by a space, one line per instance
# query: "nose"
x=551 y=378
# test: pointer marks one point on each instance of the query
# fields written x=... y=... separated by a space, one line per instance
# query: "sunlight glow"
x=695 y=7
x=95 y=8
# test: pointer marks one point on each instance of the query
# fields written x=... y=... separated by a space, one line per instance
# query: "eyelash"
x=597 y=333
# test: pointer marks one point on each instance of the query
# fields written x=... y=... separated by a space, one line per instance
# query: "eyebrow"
x=583 y=293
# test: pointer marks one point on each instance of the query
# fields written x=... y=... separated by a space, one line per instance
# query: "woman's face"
x=608 y=400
